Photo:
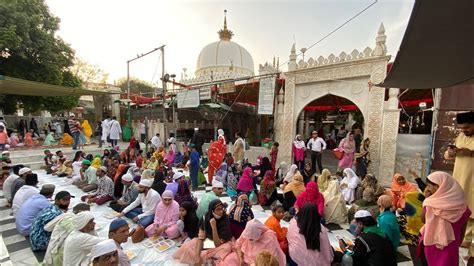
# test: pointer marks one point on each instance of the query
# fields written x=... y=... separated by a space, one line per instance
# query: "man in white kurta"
x=25 y=192
x=115 y=131
x=105 y=129
x=79 y=243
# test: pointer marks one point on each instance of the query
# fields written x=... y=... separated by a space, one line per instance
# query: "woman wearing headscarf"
x=159 y=184
x=370 y=182
x=289 y=175
x=118 y=186
x=387 y=221
x=399 y=188
x=264 y=167
x=335 y=210
x=240 y=213
x=188 y=222
x=221 y=174
x=298 y=150
x=281 y=172
x=363 y=158
x=292 y=191
x=368 y=202
x=184 y=194
x=245 y=184
x=348 y=146
x=97 y=162
x=308 y=174
x=311 y=195
x=323 y=180
x=171 y=150
x=216 y=153
x=349 y=184
x=232 y=181
x=255 y=238
x=166 y=216
x=268 y=193
x=308 y=239
x=445 y=213
x=215 y=226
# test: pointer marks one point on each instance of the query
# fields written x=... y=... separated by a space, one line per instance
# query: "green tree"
x=34 y=52
x=136 y=86
x=88 y=73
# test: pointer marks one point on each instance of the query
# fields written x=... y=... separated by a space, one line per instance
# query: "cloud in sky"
x=110 y=32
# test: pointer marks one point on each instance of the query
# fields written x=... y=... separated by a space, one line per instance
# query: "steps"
x=33 y=158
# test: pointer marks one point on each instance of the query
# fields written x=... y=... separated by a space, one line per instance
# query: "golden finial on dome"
x=225 y=34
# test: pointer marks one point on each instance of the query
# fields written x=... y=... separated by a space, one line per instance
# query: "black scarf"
x=308 y=221
x=223 y=224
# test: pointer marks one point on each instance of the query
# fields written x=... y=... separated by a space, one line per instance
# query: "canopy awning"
x=15 y=86
x=437 y=48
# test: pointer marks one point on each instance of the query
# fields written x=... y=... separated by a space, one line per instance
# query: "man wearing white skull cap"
x=104 y=253
x=148 y=198
x=80 y=242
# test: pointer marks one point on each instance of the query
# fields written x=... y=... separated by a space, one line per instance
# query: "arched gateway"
x=348 y=76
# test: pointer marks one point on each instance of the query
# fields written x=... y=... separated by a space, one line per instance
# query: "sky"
x=107 y=33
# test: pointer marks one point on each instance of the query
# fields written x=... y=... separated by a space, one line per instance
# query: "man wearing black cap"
x=39 y=238
x=462 y=152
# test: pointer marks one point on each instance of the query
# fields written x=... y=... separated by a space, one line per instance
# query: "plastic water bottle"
x=347 y=259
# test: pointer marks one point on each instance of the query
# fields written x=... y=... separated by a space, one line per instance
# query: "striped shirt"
x=72 y=125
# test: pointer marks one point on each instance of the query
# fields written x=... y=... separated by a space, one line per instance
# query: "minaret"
x=225 y=34
x=380 y=47
x=292 y=62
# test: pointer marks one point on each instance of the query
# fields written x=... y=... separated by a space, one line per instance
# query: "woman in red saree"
x=216 y=153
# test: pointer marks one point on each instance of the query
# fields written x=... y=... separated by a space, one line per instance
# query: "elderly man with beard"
x=39 y=238
x=79 y=243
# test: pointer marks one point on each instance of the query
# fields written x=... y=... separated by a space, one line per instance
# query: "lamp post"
x=129 y=121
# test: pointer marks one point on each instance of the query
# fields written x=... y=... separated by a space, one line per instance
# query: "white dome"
x=224 y=56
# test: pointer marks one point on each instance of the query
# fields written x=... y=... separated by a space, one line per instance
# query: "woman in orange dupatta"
x=399 y=188
x=216 y=153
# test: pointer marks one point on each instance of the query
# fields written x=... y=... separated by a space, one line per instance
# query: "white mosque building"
x=222 y=60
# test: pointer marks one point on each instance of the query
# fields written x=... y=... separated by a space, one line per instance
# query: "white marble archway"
x=347 y=76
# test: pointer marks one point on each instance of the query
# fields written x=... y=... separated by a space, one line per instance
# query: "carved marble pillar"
x=375 y=117
x=306 y=126
x=278 y=120
x=288 y=125
x=391 y=118
x=301 y=124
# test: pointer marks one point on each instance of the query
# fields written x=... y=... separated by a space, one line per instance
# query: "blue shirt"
x=39 y=238
x=28 y=211
x=389 y=225
x=194 y=159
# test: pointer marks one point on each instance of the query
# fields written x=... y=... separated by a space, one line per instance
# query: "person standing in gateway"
x=115 y=131
x=316 y=145
x=462 y=152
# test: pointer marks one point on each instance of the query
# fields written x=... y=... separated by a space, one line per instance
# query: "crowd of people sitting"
x=155 y=191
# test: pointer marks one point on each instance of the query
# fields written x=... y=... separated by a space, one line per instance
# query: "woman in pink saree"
x=216 y=153
x=445 y=212
x=348 y=146
x=254 y=239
